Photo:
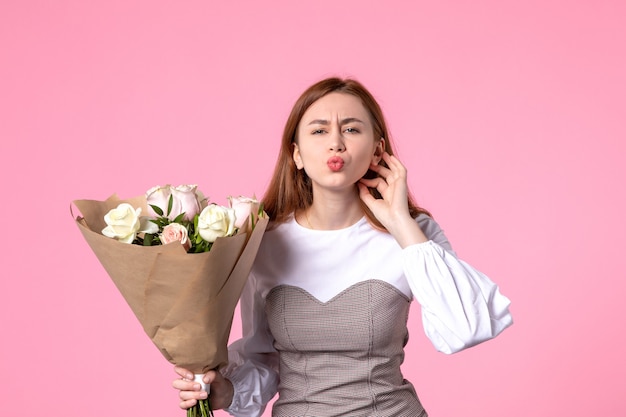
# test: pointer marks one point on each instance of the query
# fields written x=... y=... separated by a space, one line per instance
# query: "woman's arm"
x=253 y=361
x=461 y=306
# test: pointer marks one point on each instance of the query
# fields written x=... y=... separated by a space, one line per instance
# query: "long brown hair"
x=290 y=189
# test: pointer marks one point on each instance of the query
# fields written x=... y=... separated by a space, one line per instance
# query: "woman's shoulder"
x=279 y=227
x=425 y=220
x=433 y=230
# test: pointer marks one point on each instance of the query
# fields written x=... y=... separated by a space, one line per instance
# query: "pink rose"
x=158 y=196
x=244 y=207
x=175 y=232
x=185 y=199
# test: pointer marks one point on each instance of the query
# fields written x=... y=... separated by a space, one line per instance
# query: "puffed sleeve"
x=253 y=361
x=461 y=306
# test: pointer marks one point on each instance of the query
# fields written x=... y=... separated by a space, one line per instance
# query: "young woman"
x=325 y=308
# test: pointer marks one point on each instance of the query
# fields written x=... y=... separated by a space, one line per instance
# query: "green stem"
x=201 y=409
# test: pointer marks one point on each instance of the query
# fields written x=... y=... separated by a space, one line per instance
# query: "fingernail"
x=204 y=395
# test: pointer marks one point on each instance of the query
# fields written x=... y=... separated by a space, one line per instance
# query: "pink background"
x=509 y=115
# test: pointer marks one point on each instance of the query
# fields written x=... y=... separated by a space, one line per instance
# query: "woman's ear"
x=379 y=150
x=296 y=156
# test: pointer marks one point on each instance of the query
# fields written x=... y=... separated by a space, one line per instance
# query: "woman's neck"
x=331 y=211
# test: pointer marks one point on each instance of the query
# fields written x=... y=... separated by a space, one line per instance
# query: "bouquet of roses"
x=181 y=267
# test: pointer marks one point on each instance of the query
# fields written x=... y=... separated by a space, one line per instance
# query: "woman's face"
x=335 y=142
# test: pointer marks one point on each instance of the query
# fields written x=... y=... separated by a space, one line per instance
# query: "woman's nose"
x=336 y=142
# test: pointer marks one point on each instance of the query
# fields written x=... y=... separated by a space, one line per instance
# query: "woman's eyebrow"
x=343 y=121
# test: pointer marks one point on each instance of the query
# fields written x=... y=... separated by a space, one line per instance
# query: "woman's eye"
x=318 y=132
x=351 y=130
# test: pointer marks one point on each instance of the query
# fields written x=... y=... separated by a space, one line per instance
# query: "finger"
x=187 y=404
x=379 y=183
x=210 y=377
x=394 y=164
x=390 y=159
x=184 y=373
x=192 y=395
x=391 y=173
x=381 y=170
x=185 y=385
x=365 y=195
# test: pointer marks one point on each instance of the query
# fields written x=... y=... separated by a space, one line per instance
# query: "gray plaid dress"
x=342 y=357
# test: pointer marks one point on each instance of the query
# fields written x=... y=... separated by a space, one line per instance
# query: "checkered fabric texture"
x=342 y=357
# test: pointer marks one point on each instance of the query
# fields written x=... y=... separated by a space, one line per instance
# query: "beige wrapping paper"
x=184 y=301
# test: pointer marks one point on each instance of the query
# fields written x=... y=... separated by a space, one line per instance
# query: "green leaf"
x=179 y=218
x=170 y=203
x=157 y=209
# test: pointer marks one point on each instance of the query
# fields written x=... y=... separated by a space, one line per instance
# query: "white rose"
x=216 y=221
x=244 y=207
x=123 y=223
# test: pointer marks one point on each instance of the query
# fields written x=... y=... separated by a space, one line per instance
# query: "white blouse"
x=460 y=306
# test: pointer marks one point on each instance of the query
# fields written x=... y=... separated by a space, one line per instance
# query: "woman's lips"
x=335 y=163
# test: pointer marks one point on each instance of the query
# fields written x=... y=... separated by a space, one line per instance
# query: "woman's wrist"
x=407 y=232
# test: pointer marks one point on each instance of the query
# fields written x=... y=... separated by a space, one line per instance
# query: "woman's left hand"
x=393 y=209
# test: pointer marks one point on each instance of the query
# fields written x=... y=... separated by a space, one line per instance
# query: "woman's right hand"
x=190 y=392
